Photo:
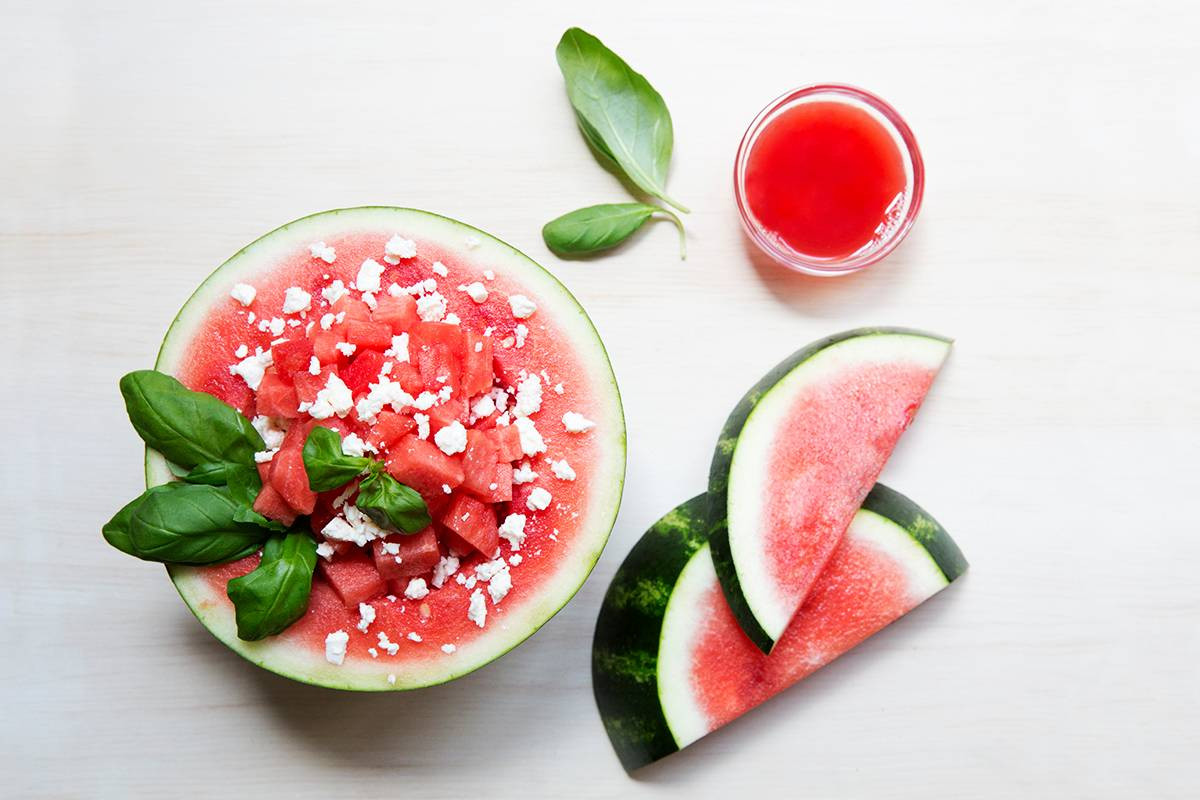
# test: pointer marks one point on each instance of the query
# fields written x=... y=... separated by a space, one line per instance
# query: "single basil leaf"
x=392 y=505
x=275 y=594
x=327 y=466
x=251 y=516
x=619 y=112
x=588 y=230
x=194 y=524
x=208 y=473
x=116 y=530
x=188 y=428
x=244 y=483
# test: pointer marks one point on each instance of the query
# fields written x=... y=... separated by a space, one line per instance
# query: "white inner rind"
x=750 y=466
x=688 y=612
x=606 y=474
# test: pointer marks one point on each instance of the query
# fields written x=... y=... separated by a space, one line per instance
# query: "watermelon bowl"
x=482 y=589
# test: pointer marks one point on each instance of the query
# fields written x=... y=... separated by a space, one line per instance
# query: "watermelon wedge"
x=670 y=663
x=391 y=291
x=796 y=458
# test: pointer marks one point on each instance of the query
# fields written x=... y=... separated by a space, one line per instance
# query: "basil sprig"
x=188 y=428
x=275 y=594
x=595 y=228
x=327 y=466
x=392 y=505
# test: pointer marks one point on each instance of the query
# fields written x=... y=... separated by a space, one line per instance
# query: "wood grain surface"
x=141 y=143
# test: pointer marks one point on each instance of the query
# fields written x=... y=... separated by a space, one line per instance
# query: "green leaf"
x=327 y=466
x=188 y=428
x=619 y=112
x=392 y=505
x=275 y=594
x=193 y=524
x=211 y=474
x=116 y=530
x=244 y=485
x=588 y=230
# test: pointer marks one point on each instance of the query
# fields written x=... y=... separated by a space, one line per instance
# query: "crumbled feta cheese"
x=422 y=421
x=452 y=319
x=522 y=307
x=381 y=393
x=334 y=292
x=529 y=396
x=532 y=442
x=515 y=559
x=432 y=307
x=413 y=636
x=521 y=333
x=314 y=366
x=339 y=530
x=425 y=401
x=252 y=368
x=391 y=647
x=276 y=326
x=373 y=652
x=335 y=647
x=368 y=276
x=241 y=352
x=370 y=300
x=483 y=407
x=499 y=586
x=325 y=550
x=399 y=348
x=416 y=589
x=558 y=388
x=391 y=678
x=448 y=648
x=446 y=488
x=322 y=251
x=353 y=445
x=366 y=615
x=244 y=293
x=538 y=500
x=476 y=291
x=472 y=241
x=440 y=269
x=576 y=423
x=562 y=470
x=264 y=456
x=391 y=548
x=397 y=248
x=345 y=348
x=271 y=434
x=452 y=439
x=326 y=321
x=296 y=300
x=513 y=529
x=477 y=611
x=491 y=276
x=523 y=474
x=335 y=398
x=500 y=398
x=446 y=567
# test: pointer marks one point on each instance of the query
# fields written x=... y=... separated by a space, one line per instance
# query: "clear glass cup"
x=901 y=214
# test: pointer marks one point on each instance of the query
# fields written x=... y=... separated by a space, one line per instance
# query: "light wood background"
x=141 y=143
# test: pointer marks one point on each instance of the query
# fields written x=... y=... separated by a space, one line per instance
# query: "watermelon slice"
x=796 y=458
x=670 y=663
x=423 y=618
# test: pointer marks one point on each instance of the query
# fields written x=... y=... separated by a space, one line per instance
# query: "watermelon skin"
x=628 y=661
x=542 y=585
x=722 y=463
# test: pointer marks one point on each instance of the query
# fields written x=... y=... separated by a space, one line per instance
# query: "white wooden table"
x=143 y=142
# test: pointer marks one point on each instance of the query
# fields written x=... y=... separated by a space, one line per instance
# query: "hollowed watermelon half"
x=797 y=456
x=670 y=663
x=430 y=639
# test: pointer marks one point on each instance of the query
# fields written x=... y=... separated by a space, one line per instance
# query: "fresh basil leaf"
x=116 y=530
x=193 y=524
x=188 y=428
x=208 y=473
x=244 y=514
x=275 y=594
x=595 y=228
x=392 y=505
x=619 y=112
x=327 y=466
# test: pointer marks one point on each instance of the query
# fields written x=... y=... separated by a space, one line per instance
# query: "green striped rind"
x=924 y=529
x=718 y=474
x=625 y=647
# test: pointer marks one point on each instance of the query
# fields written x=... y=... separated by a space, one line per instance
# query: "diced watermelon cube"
x=450 y=411
x=389 y=427
x=271 y=505
x=420 y=464
x=418 y=554
x=353 y=308
x=475 y=522
x=477 y=365
x=440 y=366
x=365 y=334
x=291 y=481
x=307 y=385
x=457 y=545
x=362 y=370
x=323 y=510
x=443 y=333
x=398 y=313
x=508 y=442
x=479 y=463
x=325 y=346
x=292 y=356
x=353 y=576
x=276 y=397
x=408 y=377
x=503 y=493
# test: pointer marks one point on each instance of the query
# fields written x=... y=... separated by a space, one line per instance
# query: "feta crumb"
x=472 y=241
x=250 y=318
x=326 y=321
x=391 y=548
x=425 y=401
x=244 y=293
x=370 y=300
x=523 y=474
x=440 y=269
x=562 y=470
x=399 y=348
x=366 y=615
x=538 y=500
x=452 y=439
x=576 y=423
x=422 y=421
x=413 y=636
x=558 y=388
x=515 y=559
x=252 y=368
x=446 y=488
x=452 y=319
x=499 y=586
x=271 y=434
x=522 y=333
x=345 y=348
x=532 y=442
x=322 y=251
x=477 y=611
x=335 y=647
x=529 y=396
x=397 y=248
x=391 y=647
x=241 y=352
x=491 y=276
x=392 y=678
x=296 y=300
x=476 y=291
x=522 y=307
x=276 y=326
x=264 y=456
x=416 y=589
x=325 y=550
x=353 y=445
x=334 y=292
x=314 y=366
x=373 y=652
x=448 y=648
x=335 y=398
x=513 y=529
x=485 y=406
x=368 y=276
x=446 y=567
x=432 y=307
